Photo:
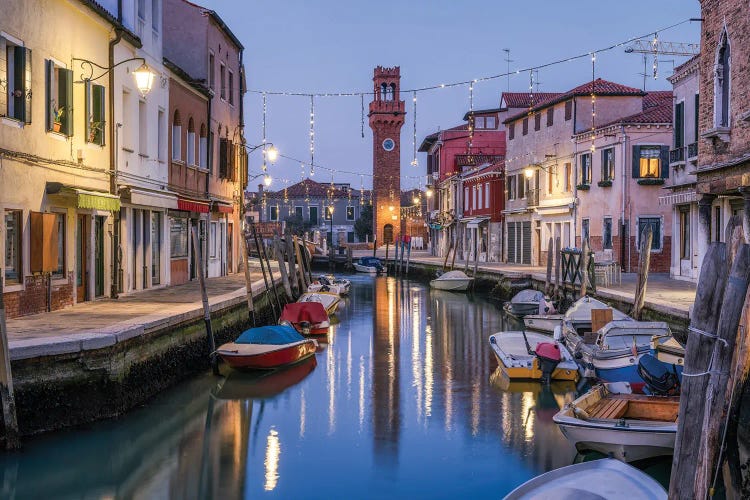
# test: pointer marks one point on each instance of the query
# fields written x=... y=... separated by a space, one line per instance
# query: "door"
x=146 y=238
x=230 y=247
x=155 y=247
x=388 y=234
x=99 y=256
x=686 y=266
x=81 y=253
x=526 y=242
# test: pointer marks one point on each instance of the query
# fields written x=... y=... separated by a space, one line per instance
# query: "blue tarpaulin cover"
x=274 y=335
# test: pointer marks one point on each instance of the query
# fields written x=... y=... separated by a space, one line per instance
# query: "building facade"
x=55 y=152
x=483 y=202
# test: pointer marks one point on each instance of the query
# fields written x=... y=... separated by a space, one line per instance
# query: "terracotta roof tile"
x=524 y=99
x=657 y=98
x=309 y=187
x=653 y=115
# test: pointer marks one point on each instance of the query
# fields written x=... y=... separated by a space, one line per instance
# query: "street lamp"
x=267 y=180
x=330 y=215
x=144 y=77
x=428 y=193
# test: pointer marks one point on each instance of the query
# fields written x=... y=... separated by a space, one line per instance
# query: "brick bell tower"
x=386 y=119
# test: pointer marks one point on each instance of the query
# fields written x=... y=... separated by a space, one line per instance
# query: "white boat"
x=329 y=300
x=628 y=426
x=607 y=478
x=545 y=323
x=370 y=265
x=329 y=283
x=512 y=352
x=529 y=302
x=454 y=281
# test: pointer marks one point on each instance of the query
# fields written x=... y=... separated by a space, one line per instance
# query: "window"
x=13 y=269
x=191 y=142
x=568 y=110
x=717 y=223
x=537 y=121
x=478 y=198
x=128 y=130
x=298 y=212
x=679 y=125
x=161 y=136
x=511 y=186
x=60 y=271
x=211 y=71
x=95 y=113
x=550 y=116
x=59 y=83
x=487 y=195
x=313 y=215
x=273 y=213
x=568 y=177
x=213 y=238
x=607 y=233
x=349 y=213
x=15 y=75
x=178 y=237
x=155 y=15
x=142 y=128
x=649 y=161
x=176 y=136
x=511 y=131
x=684 y=232
x=141 y=9
x=231 y=88
x=586 y=168
x=585 y=223
x=350 y=237
x=226 y=158
x=327 y=213
x=485 y=122
x=525 y=126
x=608 y=164
x=696 y=118
x=655 y=223
x=203 y=147
x=466 y=198
x=521 y=186
x=722 y=75
x=223 y=81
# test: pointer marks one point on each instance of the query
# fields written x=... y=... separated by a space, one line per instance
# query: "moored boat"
x=628 y=426
x=329 y=283
x=371 y=265
x=267 y=348
x=308 y=318
x=329 y=300
x=529 y=302
x=529 y=355
x=605 y=478
x=454 y=281
x=544 y=323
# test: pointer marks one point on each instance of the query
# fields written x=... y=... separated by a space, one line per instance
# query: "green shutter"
x=98 y=105
x=27 y=87
x=664 y=162
x=636 y=162
x=49 y=71
x=66 y=86
x=697 y=116
x=679 y=125
x=3 y=77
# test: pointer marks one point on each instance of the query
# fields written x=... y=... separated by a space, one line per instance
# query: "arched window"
x=203 y=147
x=176 y=136
x=384 y=92
x=722 y=76
x=191 y=142
x=393 y=92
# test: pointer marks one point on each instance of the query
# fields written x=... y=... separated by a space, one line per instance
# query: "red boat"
x=308 y=318
x=267 y=348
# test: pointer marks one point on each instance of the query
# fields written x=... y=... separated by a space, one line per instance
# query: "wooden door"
x=82 y=275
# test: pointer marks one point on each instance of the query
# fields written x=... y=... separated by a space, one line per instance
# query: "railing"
x=677 y=155
x=692 y=150
x=532 y=197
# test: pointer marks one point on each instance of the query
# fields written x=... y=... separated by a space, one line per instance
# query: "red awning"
x=192 y=206
x=224 y=209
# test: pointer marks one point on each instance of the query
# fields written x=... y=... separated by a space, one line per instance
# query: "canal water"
x=402 y=400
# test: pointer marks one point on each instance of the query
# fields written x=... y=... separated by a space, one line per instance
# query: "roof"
x=687 y=63
x=661 y=114
x=524 y=99
x=498 y=166
x=309 y=187
x=429 y=140
x=131 y=37
x=219 y=21
x=598 y=87
x=657 y=98
x=482 y=112
x=196 y=84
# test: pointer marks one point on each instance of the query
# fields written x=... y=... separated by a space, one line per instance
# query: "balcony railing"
x=532 y=197
x=677 y=155
x=692 y=150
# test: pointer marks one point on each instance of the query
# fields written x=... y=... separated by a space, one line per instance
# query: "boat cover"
x=296 y=312
x=453 y=275
x=370 y=261
x=273 y=335
x=528 y=296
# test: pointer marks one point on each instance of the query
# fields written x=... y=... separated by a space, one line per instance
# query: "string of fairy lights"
x=414 y=91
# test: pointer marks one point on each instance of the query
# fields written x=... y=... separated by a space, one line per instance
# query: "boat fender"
x=557 y=334
x=493 y=340
x=581 y=413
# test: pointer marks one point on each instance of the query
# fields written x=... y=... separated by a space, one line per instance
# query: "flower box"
x=650 y=182
x=604 y=184
x=583 y=187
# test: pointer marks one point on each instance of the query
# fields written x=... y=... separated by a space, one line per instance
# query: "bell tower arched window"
x=722 y=80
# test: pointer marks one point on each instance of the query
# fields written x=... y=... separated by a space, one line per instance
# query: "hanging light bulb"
x=267 y=180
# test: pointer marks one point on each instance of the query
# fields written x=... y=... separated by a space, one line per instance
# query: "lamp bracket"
x=89 y=66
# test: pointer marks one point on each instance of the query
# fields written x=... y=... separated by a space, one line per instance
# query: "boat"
x=371 y=265
x=606 y=478
x=329 y=300
x=329 y=283
x=308 y=318
x=529 y=355
x=630 y=427
x=267 y=348
x=529 y=302
x=577 y=321
x=545 y=323
x=264 y=384
x=454 y=281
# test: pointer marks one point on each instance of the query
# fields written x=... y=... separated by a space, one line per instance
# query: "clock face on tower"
x=389 y=144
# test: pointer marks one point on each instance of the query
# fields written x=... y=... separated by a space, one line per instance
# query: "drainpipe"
x=113 y=159
x=623 y=228
x=575 y=175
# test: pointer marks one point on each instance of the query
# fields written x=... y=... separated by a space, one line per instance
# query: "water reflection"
x=404 y=399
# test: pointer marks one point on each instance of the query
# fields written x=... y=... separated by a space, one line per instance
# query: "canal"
x=402 y=400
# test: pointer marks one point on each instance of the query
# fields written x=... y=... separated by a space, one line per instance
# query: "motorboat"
x=577 y=321
x=454 y=281
x=529 y=302
x=606 y=478
x=267 y=348
x=329 y=300
x=308 y=318
x=630 y=427
x=529 y=355
x=371 y=265
x=329 y=283
x=545 y=323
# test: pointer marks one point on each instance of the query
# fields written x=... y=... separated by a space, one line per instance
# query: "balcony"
x=677 y=156
x=692 y=151
x=532 y=198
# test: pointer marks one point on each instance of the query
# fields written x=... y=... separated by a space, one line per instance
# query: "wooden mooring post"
x=584 y=267
x=550 y=256
x=248 y=278
x=282 y=267
x=408 y=256
x=290 y=258
x=558 y=290
x=7 y=395
x=204 y=298
x=644 y=262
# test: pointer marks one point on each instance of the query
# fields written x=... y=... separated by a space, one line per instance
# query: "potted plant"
x=57 y=116
x=95 y=128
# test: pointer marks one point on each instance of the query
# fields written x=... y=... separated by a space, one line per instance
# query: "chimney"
x=260 y=189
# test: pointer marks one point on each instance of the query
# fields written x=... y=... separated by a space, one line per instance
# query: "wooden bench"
x=611 y=409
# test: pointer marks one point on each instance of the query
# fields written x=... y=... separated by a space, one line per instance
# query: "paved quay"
x=663 y=294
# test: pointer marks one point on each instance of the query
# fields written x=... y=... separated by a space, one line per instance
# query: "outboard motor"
x=661 y=379
x=549 y=356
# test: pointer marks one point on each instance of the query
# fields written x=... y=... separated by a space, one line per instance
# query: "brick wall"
x=33 y=298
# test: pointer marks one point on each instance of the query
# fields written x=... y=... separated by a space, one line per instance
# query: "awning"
x=223 y=208
x=82 y=198
x=474 y=223
x=677 y=198
x=148 y=198
x=192 y=206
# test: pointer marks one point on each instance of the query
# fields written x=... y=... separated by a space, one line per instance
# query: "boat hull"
x=517 y=364
x=460 y=285
x=628 y=445
x=365 y=269
x=540 y=323
x=265 y=357
x=521 y=309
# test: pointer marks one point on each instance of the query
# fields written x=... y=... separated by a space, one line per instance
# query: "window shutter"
x=67 y=82
x=99 y=111
x=604 y=159
x=636 y=162
x=27 y=87
x=664 y=161
x=49 y=71
x=679 y=125
x=3 y=77
x=222 y=157
x=88 y=116
x=232 y=164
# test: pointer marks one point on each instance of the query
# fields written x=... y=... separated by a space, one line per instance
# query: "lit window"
x=650 y=161
x=349 y=213
x=608 y=164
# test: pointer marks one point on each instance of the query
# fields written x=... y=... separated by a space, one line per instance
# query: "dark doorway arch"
x=388 y=233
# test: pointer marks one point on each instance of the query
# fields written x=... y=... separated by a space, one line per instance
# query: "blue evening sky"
x=333 y=46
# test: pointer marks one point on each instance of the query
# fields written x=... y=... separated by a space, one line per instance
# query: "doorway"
x=81 y=257
x=155 y=248
x=230 y=252
x=98 y=256
x=388 y=234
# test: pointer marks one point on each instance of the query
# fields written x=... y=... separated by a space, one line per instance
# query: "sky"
x=330 y=46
